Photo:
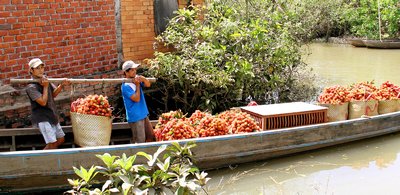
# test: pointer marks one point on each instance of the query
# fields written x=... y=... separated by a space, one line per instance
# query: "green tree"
x=364 y=17
x=226 y=52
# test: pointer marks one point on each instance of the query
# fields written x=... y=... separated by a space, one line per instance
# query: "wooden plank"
x=57 y=80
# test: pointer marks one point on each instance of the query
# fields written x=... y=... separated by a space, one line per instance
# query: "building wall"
x=75 y=39
x=72 y=37
x=138 y=34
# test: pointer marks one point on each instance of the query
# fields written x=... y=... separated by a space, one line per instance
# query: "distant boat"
x=356 y=42
x=376 y=44
x=383 y=44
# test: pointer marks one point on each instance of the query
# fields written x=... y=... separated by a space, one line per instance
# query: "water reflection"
x=366 y=167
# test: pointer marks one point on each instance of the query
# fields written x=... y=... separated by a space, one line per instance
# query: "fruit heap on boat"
x=174 y=125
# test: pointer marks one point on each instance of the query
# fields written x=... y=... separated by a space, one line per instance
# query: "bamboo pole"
x=72 y=81
x=379 y=21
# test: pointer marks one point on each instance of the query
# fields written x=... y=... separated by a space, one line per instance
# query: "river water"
x=342 y=64
x=365 y=167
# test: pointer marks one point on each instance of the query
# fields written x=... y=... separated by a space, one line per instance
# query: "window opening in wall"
x=163 y=11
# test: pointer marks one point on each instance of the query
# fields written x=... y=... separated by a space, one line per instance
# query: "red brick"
x=16 y=68
x=5 y=14
x=37 y=53
x=11 y=74
x=20 y=37
x=10 y=7
x=70 y=9
x=39 y=11
x=31 y=36
x=22 y=19
x=44 y=6
x=29 y=25
x=41 y=35
x=40 y=23
x=8 y=38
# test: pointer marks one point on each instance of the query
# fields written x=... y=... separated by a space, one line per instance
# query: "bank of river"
x=365 y=167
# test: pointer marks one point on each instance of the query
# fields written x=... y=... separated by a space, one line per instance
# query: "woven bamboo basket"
x=337 y=112
x=398 y=105
x=91 y=130
x=388 y=106
x=359 y=108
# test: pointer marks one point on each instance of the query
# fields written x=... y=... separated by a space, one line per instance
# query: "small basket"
x=388 y=106
x=359 y=108
x=337 y=112
x=398 y=105
x=91 y=130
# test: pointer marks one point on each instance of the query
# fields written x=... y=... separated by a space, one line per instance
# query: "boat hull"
x=384 y=44
x=355 y=42
x=17 y=168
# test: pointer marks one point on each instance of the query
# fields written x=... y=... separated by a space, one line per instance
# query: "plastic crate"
x=276 y=116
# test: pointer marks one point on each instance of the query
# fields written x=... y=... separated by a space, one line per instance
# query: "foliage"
x=226 y=52
x=363 y=17
x=172 y=174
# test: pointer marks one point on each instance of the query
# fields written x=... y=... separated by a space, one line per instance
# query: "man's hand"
x=143 y=80
x=65 y=82
x=138 y=79
x=44 y=82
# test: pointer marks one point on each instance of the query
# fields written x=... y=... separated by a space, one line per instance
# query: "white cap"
x=35 y=62
x=129 y=64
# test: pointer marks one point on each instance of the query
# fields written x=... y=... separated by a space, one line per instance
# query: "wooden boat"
x=382 y=44
x=356 y=42
x=376 y=44
x=50 y=168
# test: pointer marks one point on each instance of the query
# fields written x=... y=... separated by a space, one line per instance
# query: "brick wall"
x=76 y=39
x=138 y=35
x=72 y=37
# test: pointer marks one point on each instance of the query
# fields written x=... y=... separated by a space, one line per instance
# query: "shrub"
x=363 y=17
x=226 y=53
x=174 y=173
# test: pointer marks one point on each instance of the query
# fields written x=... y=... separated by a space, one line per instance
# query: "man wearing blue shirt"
x=135 y=104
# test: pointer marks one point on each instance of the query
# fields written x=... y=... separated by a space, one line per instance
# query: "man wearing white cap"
x=44 y=113
x=135 y=104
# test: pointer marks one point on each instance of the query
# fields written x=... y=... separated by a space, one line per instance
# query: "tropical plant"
x=225 y=53
x=313 y=19
x=175 y=173
x=375 y=19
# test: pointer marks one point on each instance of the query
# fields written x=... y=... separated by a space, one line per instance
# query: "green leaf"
x=106 y=185
x=164 y=166
x=235 y=35
x=87 y=176
x=144 y=154
x=155 y=156
x=107 y=159
x=126 y=188
x=125 y=162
